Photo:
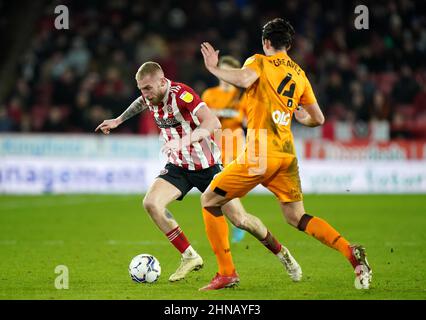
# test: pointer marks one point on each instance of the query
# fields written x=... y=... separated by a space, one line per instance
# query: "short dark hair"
x=280 y=32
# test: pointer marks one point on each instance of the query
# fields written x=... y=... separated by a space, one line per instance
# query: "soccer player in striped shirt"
x=193 y=159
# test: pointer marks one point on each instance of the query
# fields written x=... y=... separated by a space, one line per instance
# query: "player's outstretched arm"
x=135 y=107
x=243 y=78
x=310 y=115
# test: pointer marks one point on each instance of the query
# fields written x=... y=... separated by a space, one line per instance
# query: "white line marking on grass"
x=136 y=243
x=52 y=202
x=108 y=242
x=402 y=244
x=53 y=242
x=37 y=242
x=387 y=244
x=7 y=242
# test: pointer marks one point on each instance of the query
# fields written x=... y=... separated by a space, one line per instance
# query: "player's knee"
x=240 y=222
x=211 y=199
x=205 y=200
x=238 y=219
x=293 y=222
x=151 y=206
x=293 y=219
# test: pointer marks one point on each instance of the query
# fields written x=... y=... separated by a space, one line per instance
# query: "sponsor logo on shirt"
x=167 y=123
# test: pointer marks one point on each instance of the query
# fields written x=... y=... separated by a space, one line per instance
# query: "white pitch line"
x=55 y=202
x=402 y=243
x=137 y=243
x=42 y=242
x=141 y=243
x=62 y=242
x=53 y=242
x=7 y=242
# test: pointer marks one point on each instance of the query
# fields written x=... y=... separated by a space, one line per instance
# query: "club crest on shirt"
x=186 y=96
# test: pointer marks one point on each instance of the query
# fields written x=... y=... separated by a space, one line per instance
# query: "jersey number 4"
x=287 y=93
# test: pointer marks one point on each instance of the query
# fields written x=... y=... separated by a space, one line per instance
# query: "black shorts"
x=185 y=180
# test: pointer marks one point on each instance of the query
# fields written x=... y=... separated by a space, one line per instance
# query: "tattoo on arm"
x=134 y=108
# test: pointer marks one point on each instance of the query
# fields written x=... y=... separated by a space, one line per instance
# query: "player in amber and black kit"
x=228 y=103
x=276 y=86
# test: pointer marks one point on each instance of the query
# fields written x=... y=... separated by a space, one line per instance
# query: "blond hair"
x=230 y=61
x=148 y=68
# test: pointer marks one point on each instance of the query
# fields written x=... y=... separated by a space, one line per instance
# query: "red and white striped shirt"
x=176 y=117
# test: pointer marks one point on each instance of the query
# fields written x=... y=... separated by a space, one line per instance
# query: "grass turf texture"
x=96 y=237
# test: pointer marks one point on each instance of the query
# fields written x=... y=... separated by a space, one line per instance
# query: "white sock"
x=280 y=254
x=189 y=253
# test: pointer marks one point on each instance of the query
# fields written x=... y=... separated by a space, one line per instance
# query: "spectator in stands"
x=79 y=74
x=406 y=87
x=5 y=122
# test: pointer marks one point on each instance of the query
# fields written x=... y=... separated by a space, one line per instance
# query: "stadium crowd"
x=71 y=80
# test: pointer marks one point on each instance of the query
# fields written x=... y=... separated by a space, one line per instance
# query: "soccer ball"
x=144 y=268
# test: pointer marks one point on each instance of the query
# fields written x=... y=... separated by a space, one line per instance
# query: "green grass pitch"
x=96 y=237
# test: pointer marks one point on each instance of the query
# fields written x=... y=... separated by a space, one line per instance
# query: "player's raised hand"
x=300 y=114
x=107 y=125
x=210 y=55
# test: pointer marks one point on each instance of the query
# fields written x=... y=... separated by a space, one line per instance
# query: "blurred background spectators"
x=371 y=84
